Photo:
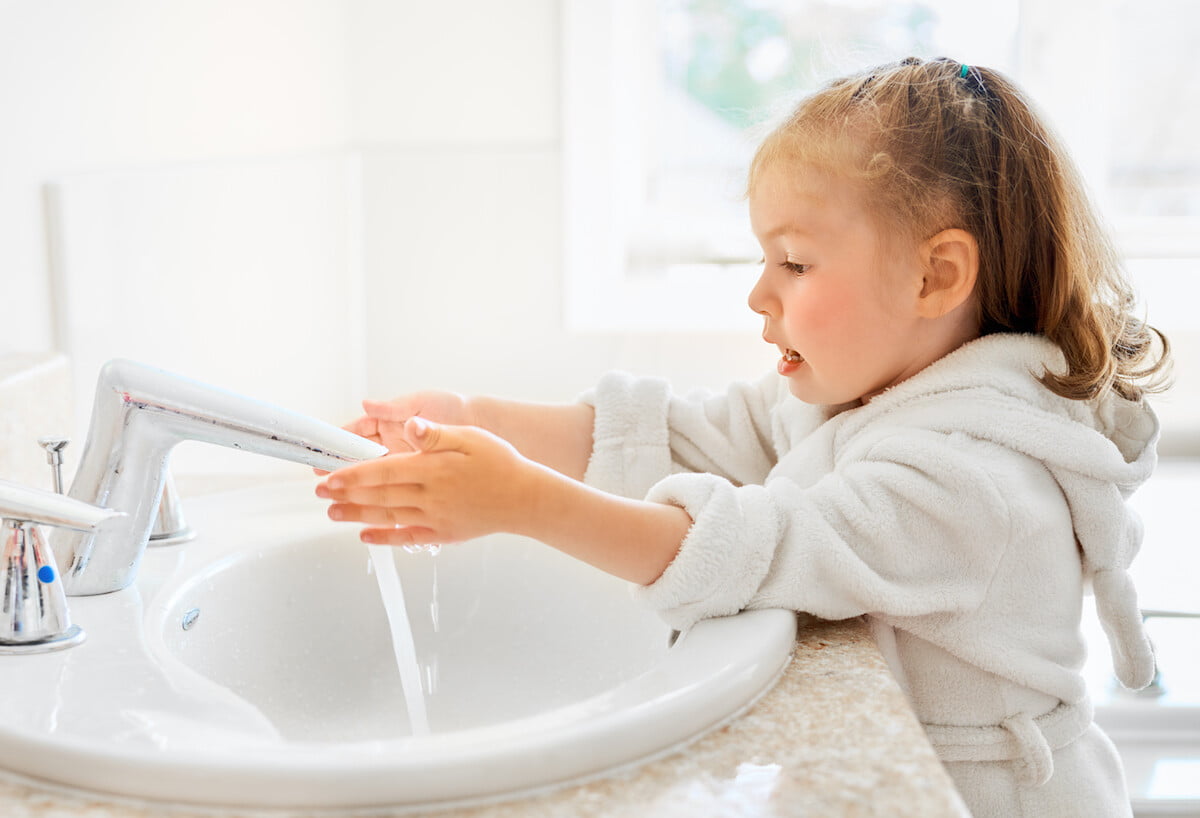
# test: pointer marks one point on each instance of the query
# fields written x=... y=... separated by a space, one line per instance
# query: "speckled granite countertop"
x=835 y=737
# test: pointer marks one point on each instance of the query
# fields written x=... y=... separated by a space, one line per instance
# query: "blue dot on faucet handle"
x=46 y=574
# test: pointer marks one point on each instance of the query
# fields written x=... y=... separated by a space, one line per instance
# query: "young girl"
x=946 y=448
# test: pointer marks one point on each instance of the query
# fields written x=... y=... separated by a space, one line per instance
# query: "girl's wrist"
x=631 y=539
x=473 y=413
x=542 y=498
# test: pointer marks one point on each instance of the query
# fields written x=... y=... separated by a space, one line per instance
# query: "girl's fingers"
x=365 y=426
x=392 y=468
x=427 y=436
x=407 y=535
x=377 y=515
x=386 y=410
x=388 y=494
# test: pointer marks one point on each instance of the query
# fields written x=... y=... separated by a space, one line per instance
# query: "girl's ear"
x=952 y=266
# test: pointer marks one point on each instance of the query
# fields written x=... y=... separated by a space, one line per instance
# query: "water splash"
x=429 y=548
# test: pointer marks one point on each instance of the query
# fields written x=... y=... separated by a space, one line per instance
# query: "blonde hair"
x=939 y=145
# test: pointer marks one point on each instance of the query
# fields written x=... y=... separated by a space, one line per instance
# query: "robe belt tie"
x=1029 y=741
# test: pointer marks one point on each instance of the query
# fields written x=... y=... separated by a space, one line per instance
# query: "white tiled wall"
x=137 y=83
x=34 y=402
x=454 y=72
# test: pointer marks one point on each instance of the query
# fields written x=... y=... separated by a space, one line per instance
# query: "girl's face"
x=839 y=304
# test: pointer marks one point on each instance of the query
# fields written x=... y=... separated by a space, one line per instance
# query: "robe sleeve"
x=643 y=433
x=916 y=526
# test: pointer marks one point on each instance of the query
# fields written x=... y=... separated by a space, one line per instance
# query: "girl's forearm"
x=555 y=435
x=632 y=539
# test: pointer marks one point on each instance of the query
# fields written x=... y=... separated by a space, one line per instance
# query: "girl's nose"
x=759 y=300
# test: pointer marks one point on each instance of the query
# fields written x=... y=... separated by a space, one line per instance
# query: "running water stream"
x=384 y=564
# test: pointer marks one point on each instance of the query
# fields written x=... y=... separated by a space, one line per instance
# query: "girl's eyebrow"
x=784 y=229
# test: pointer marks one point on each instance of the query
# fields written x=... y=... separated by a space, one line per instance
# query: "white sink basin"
x=283 y=690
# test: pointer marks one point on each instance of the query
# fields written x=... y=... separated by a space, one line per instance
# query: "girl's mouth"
x=790 y=362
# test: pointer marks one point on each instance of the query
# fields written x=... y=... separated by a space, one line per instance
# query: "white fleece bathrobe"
x=963 y=511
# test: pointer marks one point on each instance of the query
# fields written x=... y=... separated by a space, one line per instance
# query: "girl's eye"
x=794 y=267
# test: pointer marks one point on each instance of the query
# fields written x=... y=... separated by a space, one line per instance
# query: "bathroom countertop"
x=834 y=737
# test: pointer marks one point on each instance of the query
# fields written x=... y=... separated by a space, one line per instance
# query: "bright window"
x=663 y=99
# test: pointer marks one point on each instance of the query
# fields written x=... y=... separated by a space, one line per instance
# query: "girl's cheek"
x=818 y=309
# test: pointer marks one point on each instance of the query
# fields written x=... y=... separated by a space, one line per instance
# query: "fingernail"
x=335 y=513
x=322 y=490
x=370 y=536
x=420 y=426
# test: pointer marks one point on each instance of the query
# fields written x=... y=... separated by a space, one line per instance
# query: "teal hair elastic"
x=972 y=78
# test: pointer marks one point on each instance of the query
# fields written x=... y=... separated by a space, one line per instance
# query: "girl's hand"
x=448 y=484
x=384 y=420
x=558 y=436
x=454 y=483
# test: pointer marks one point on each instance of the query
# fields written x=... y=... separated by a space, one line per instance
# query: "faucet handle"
x=54 y=447
x=33 y=606
x=34 y=505
x=33 y=613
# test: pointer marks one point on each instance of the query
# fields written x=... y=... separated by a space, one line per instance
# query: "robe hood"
x=1098 y=451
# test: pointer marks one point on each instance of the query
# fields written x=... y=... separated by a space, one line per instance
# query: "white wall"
x=456 y=108
x=453 y=107
x=88 y=86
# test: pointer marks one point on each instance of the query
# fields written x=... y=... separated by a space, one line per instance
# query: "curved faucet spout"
x=139 y=414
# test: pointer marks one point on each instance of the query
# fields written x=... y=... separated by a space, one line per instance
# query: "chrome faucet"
x=33 y=608
x=139 y=414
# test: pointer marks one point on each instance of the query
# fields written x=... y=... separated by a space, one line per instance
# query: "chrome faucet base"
x=163 y=539
x=69 y=638
x=170 y=528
